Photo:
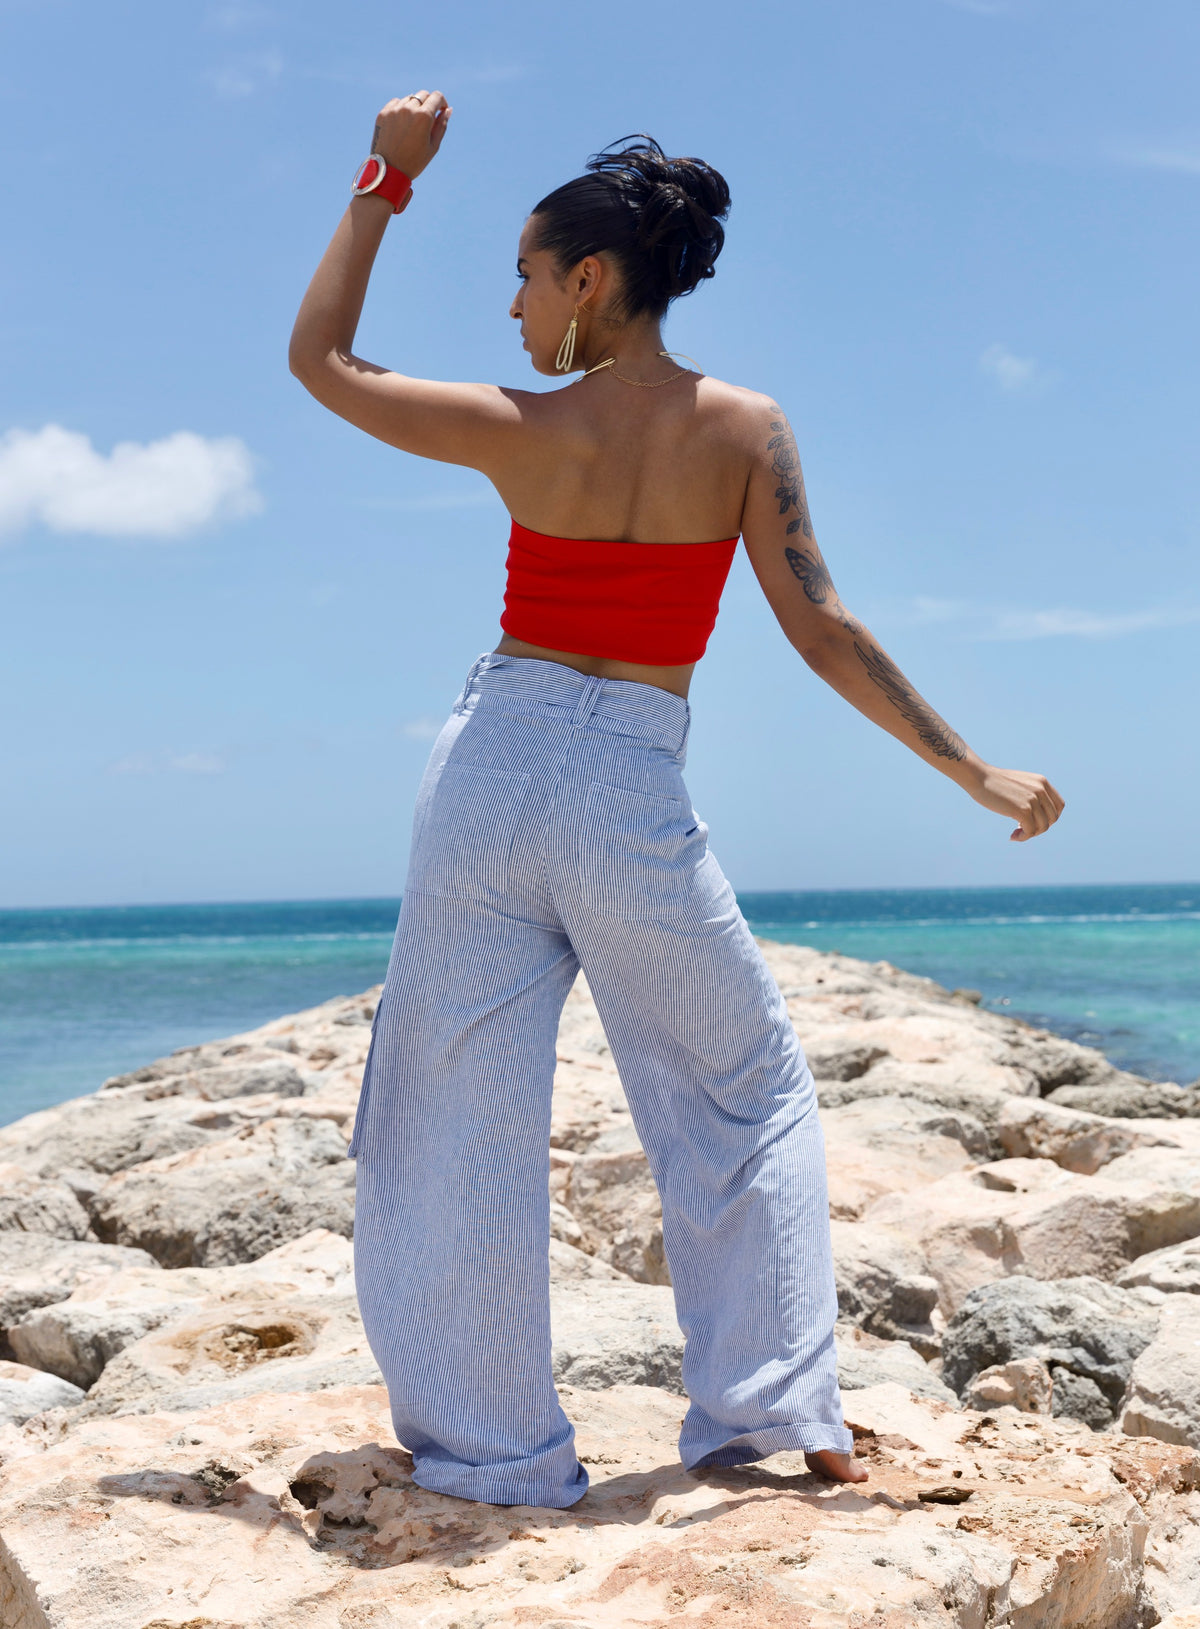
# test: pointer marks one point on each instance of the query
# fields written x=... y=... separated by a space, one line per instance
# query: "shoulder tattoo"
x=785 y=465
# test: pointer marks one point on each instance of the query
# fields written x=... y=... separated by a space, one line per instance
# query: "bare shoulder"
x=745 y=415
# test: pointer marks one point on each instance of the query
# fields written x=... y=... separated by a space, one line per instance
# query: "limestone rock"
x=77 y=1336
x=564 y=1226
x=105 y=1132
x=615 y=1333
x=884 y=1145
x=1163 y=1399
x=1131 y=1099
x=234 y=1199
x=883 y=1284
x=961 y=1098
x=1030 y=1128
x=75 y=1341
x=289 y=1321
x=588 y=1098
x=321 y=1040
x=29 y=1205
x=1024 y=1383
x=1173 y=1271
x=866 y=1360
x=25 y=1392
x=273 y=1495
x=300 y=1512
x=1058 y=1064
x=831 y=1058
x=37 y=1269
x=1032 y=1217
x=269 y=1339
x=1086 y=1332
x=613 y=1197
x=569 y=1265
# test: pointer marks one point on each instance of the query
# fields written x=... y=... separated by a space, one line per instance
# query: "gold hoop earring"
x=565 y=359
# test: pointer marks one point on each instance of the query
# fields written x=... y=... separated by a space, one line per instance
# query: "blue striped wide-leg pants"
x=553 y=831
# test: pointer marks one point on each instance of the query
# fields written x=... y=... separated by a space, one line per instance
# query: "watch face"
x=368 y=176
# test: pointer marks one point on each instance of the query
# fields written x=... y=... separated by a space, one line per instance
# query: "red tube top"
x=631 y=602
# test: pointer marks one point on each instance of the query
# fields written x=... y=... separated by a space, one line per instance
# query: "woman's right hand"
x=409 y=130
x=1028 y=799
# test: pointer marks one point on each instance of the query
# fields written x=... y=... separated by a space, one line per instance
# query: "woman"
x=553 y=831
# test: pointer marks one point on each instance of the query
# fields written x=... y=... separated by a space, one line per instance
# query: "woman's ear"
x=590 y=277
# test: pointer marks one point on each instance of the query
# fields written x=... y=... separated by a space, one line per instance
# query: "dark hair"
x=658 y=216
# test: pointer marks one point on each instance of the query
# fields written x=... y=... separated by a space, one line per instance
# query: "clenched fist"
x=409 y=130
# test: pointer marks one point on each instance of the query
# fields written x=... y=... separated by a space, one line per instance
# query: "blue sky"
x=962 y=255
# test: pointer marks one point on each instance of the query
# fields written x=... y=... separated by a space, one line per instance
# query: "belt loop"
x=460 y=704
x=681 y=754
x=589 y=698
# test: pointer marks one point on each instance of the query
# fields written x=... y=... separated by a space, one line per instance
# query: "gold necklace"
x=645 y=384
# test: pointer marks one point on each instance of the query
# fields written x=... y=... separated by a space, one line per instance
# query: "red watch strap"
x=395 y=185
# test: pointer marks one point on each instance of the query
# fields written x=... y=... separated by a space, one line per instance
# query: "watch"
x=376 y=175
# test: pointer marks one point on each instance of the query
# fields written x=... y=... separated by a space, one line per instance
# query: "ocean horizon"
x=91 y=991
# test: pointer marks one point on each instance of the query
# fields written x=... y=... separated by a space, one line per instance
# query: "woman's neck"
x=638 y=350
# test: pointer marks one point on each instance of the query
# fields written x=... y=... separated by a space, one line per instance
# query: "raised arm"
x=783 y=550
x=456 y=423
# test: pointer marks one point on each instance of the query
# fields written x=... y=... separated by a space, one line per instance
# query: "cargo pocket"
x=464 y=833
x=641 y=853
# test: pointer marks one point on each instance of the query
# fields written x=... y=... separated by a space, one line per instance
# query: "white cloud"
x=1069 y=622
x=422 y=729
x=198 y=763
x=56 y=478
x=244 y=75
x=932 y=610
x=1011 y=372
x=984 y=622
x=1181 y=159
x=181 y=763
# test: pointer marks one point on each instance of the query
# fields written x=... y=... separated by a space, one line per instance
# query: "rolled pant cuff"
x=812 y=1438
x=487 y=1488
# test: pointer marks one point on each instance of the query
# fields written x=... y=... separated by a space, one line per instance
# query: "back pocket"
x=465 y=830
x=640 y=853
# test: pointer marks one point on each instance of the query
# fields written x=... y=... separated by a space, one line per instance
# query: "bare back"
x=602 y=459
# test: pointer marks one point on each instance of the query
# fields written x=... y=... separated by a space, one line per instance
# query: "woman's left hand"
x=409 y=130
x=1027 y=798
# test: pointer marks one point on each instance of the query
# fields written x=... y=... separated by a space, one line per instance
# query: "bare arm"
x=456 y=423
x=787 y=559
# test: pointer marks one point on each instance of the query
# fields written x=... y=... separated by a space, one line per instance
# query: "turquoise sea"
x=87 y=993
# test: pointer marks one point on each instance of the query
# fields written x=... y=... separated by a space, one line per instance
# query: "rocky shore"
x=193 y=1434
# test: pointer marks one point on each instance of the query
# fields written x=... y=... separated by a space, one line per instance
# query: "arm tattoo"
x=813 y=573
x=785 y=464
x=930 y=727
x=375 y=137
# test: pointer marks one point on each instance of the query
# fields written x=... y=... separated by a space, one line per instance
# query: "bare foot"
x=836 y=1467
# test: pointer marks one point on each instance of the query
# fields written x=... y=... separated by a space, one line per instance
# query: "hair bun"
x=659 y=217
x=679 y=203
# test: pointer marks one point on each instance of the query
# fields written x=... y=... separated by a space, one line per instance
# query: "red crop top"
x=631 y=602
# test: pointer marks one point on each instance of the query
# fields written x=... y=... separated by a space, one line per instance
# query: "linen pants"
x=553 y=831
